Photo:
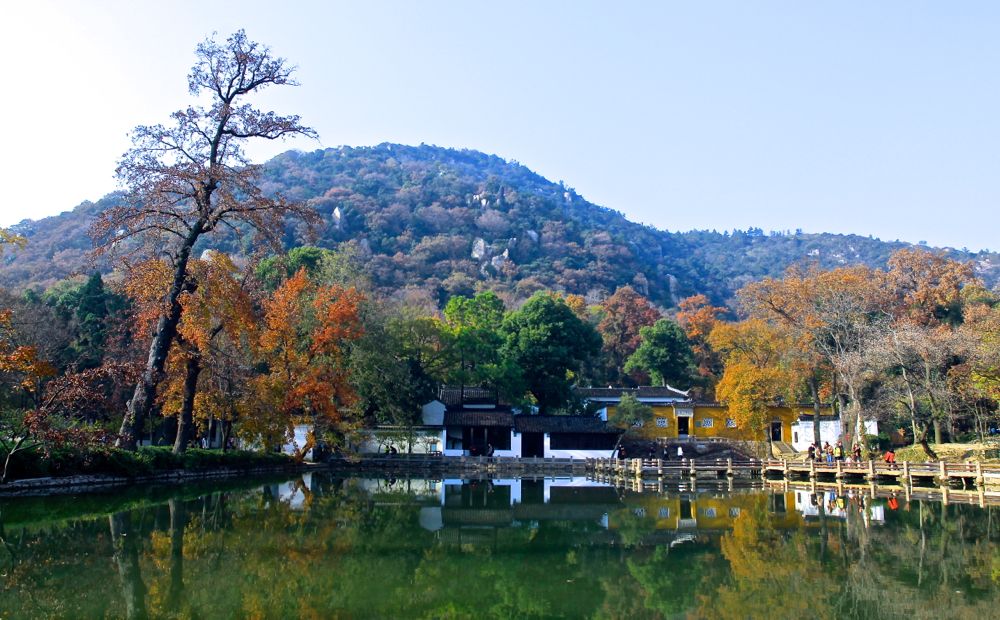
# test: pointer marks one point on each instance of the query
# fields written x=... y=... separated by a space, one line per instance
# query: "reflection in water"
x=178 y=520
x=126 y=558
x=322 y=546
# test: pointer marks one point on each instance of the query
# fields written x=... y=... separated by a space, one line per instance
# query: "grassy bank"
x=144 y=461
x=953 y=452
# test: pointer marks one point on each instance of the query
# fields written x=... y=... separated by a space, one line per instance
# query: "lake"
x=321 y=546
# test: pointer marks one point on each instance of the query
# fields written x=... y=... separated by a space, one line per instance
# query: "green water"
x=327 y=547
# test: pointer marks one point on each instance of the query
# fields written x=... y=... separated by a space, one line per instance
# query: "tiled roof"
x=560 y=424
x=455 y=396
x=478 y=417
x=644 y=391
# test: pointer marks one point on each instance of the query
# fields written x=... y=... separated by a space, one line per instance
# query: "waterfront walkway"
x=972 y=483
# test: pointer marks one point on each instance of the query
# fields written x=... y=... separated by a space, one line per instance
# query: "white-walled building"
x=471 y=422
x=830 y=431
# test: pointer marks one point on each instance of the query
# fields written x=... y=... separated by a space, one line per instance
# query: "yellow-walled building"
x=677 y=417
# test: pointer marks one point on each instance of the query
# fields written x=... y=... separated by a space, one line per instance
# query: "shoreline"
x=63 y=485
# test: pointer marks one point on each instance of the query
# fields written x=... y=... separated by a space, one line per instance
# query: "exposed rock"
x=479 y=248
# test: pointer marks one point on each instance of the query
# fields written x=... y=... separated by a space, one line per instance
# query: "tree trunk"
x=817 y=410
x=6 y=463
x=937 y=431
x=166 y=329
x=186 y=416
x=923 y=443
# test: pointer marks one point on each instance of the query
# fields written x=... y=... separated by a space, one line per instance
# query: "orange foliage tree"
x=623 y=314
x=697 y=317
x=303 y=336
x=217 y=315
x=19 y=363
x=830 y=315
x=758 y=369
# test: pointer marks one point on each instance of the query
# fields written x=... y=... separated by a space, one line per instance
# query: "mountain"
x=448 y=221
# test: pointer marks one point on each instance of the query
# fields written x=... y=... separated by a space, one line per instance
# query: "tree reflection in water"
x=328 y=547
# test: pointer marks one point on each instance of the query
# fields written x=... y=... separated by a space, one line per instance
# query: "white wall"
x=574 y=454
x=368 y=442
x=829 y=431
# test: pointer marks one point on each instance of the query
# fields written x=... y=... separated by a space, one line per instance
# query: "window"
x=705 y=423
x=664 y=513
x=661 y=422
x=734 y=512
x=639 y=512
x=709 y=512
x=730 y=423
x=637 y=424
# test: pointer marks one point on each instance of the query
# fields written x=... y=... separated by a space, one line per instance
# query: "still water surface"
x=326 y=547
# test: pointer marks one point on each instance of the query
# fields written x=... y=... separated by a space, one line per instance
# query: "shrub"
x=69 y=461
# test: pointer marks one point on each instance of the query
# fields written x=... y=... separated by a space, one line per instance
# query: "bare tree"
x=188 y=179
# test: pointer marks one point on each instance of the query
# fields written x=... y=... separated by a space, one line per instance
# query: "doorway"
x=532 y=445
x=683 y=426
x=776 y=431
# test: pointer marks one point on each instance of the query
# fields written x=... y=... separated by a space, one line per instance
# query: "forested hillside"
x=449 y=222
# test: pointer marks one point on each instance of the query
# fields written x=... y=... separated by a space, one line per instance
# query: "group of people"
x=833 y=453
x=830 y=454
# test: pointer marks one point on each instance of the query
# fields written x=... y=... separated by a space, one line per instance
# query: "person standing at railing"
x=857 y=453
x=890 y=458
x=811 y=453
x=838 y=451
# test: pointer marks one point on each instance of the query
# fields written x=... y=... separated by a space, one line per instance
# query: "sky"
x=877 y=119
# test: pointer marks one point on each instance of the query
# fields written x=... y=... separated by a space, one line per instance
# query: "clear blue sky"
x=871 y=118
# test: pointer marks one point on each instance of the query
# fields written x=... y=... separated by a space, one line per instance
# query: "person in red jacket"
x=890 y=458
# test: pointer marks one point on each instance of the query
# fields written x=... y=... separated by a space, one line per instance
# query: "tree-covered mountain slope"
x=450 y=221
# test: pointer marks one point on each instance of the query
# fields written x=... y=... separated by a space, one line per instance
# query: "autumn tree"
x=926 y=286
x=756 y=370
x=188 y=179
x=218 y=315
x=24 y=372
x=623 y=314
x=828 y=314
x=303 y=341
x=697 y=317
x=9 y=238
